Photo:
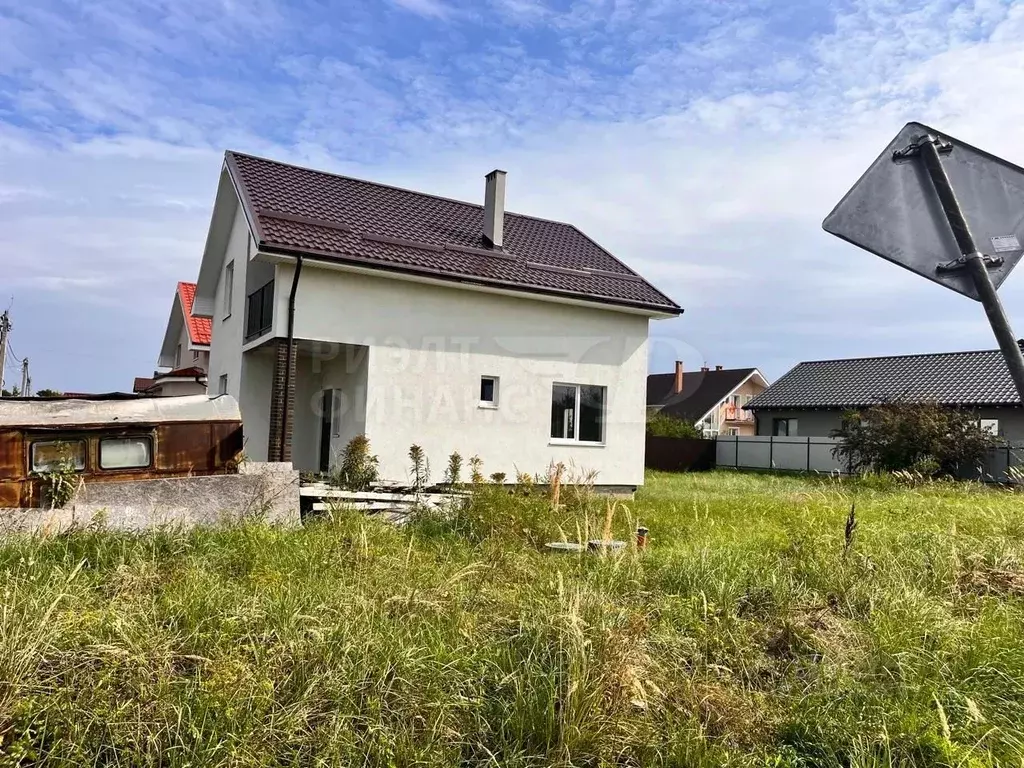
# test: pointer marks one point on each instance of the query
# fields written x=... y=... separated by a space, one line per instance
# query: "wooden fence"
x=679 y=454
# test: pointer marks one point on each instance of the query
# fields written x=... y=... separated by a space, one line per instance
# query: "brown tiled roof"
x=298 y=210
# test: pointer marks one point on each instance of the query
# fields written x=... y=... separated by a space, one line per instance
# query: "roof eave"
x=653 y=311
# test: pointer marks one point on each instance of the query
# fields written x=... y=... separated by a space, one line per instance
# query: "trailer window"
x=47 y=456
x=125 y=452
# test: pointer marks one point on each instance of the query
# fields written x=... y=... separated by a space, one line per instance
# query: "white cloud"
x=705 y=156
x=432 y=8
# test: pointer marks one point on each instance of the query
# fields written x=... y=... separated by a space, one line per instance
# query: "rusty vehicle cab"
x=114 y=437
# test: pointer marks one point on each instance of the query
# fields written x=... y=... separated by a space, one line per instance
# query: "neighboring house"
x=187 y=338
x=811 y=399
x=343 y=307
x=182 y=381
x=712 y=400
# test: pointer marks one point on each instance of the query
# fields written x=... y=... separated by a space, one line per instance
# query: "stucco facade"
x=406 y=358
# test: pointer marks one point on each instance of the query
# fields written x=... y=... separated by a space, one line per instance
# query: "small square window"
x=47 y=456
x=195 y=355
x=223 y=384
x=489 y=391
x=125 y=452
x=990 y=425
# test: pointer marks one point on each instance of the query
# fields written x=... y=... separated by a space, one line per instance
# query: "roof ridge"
x=897 y=357
x=431 y=195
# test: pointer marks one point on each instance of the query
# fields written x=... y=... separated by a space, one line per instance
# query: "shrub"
x=662 y=425
x=420 y=468
x=476 y=470
x=923 y=438
x=358 y=469
x=453 y=472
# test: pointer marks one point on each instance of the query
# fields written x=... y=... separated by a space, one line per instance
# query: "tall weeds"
x=743 y=635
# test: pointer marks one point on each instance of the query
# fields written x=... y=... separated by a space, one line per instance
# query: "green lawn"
x=743 y=636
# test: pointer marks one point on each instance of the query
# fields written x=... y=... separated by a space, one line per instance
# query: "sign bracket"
x=928 y=149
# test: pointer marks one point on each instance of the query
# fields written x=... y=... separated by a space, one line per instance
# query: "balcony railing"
x=259 y=311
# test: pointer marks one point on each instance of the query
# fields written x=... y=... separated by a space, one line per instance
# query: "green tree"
x=662 y=425
x=48 y=393
x=924 y=437
x=12 y=392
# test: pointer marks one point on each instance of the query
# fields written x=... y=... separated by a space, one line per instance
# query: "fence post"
x=771 y=451
x=808 y=454
x=736 y=442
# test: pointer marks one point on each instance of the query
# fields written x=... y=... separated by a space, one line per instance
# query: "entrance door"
x=326 y=421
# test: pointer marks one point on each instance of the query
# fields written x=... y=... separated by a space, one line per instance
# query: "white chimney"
x=494 y=208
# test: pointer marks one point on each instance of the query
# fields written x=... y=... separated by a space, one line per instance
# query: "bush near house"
x=926 y=438
x=752 y=632
x=662 y=425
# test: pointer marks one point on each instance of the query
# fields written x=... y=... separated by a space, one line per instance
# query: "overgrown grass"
x=743 y=636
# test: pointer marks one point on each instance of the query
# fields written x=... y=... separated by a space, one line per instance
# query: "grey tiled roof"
x=951 y=378
x=300 y=210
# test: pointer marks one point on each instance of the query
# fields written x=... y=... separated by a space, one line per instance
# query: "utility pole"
x=24 y=378
x=5 y=328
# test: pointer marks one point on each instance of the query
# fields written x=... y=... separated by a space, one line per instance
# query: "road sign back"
x=894 y=211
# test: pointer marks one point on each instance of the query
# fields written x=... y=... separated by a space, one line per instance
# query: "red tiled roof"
x=141 y=384
x=200 y=329
x=329 y=216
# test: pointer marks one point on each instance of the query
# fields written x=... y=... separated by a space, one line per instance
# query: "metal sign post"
x=905 y=208
x=928 y=149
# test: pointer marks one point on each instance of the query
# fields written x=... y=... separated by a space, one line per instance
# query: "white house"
x=342 y=307
x=187 y=339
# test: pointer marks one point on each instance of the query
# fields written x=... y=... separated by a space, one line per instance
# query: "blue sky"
x=702 y=142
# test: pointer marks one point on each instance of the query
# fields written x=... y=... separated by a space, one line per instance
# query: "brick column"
x=278 y=449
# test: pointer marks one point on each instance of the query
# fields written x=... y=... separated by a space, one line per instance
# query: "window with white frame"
x=989 y=425
x=488 y=391
x=578 y=413
x=195 y=355
x=222 y=387
x=177 y=356
x=229 y=285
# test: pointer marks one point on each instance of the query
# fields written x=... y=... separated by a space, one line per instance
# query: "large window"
x=577 y=413
x=48 y=456
x=222 y=384
x=125 y=452
x=784 y=427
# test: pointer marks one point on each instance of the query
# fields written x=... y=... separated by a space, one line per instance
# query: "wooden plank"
x=410 y=498
x=365 y=506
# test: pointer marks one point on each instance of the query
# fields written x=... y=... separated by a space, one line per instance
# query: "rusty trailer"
x=111 y=438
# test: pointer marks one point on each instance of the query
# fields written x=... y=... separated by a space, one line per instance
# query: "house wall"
x=257 y=375
x=322 y=366
x=820 y=423
x=428 y=347
x=226 y=346
x=181 y=387
x=817 y=423
x=717 y=423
